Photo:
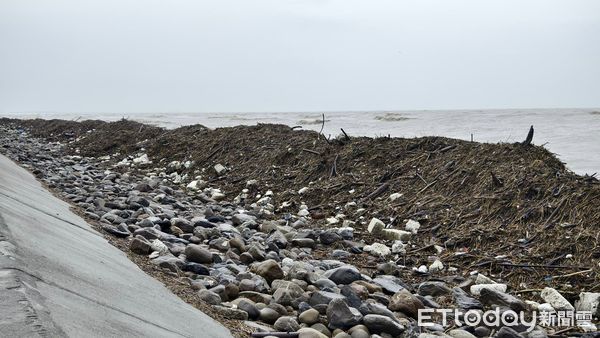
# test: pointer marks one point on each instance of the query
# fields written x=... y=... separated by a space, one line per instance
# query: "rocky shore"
x=261 y=262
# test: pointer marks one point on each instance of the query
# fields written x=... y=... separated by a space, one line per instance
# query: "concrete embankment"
x=59 y=277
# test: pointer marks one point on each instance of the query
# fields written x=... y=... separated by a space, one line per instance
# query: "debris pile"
x=299 y=232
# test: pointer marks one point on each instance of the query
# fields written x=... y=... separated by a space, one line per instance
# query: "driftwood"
x=213 y=153
x=495 y=181
x=529 y=137
x=311 y=151
x=548 y=224
x=322 y=125
x=559 y=333
x=321 y=131
x=382 y=188
x=427 y=186
x=334 y=167
x=574 y=273
x=446 y=148
x=547 y=266
x=345 y=135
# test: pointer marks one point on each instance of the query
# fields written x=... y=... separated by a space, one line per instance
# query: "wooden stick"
x=554 y=213
x=322 y=125
x=447 y=148
x=382 y=188
x=543 y=266
x=427 y=186
x=421 y=177
x=495 y=181
x=311 y=151
x=213 y=153
x=573 y=274
x=529 y=137
x=528 y=290
x=321 y=131
x=421 y=249
x=334 y=167
x=559 y=332
x=346 y=135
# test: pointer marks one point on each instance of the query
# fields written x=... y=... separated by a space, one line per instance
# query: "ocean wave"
x=391 y=117
x=235 y=118
x=315 y=121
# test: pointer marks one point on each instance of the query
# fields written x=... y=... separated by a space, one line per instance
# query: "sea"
x=572 y=134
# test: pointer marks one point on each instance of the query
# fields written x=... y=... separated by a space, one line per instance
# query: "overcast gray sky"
x=297 y=55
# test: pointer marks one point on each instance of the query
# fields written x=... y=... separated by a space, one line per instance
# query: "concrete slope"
x=59 y=277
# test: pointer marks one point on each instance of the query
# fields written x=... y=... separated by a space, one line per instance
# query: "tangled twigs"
x=213 y=153
x=496 y=182
x=554 y=213
x=334 y=167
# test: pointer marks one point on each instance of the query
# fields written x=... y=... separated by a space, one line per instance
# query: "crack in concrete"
x=39 y=279
x=27 y=302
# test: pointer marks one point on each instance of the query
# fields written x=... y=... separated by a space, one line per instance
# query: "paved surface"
x=59 y=277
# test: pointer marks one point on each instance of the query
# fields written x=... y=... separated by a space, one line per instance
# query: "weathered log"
x=382 y=188
x=529 y=137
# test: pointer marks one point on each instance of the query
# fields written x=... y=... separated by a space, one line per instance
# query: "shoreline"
x=335 y=167
x=568 y=132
